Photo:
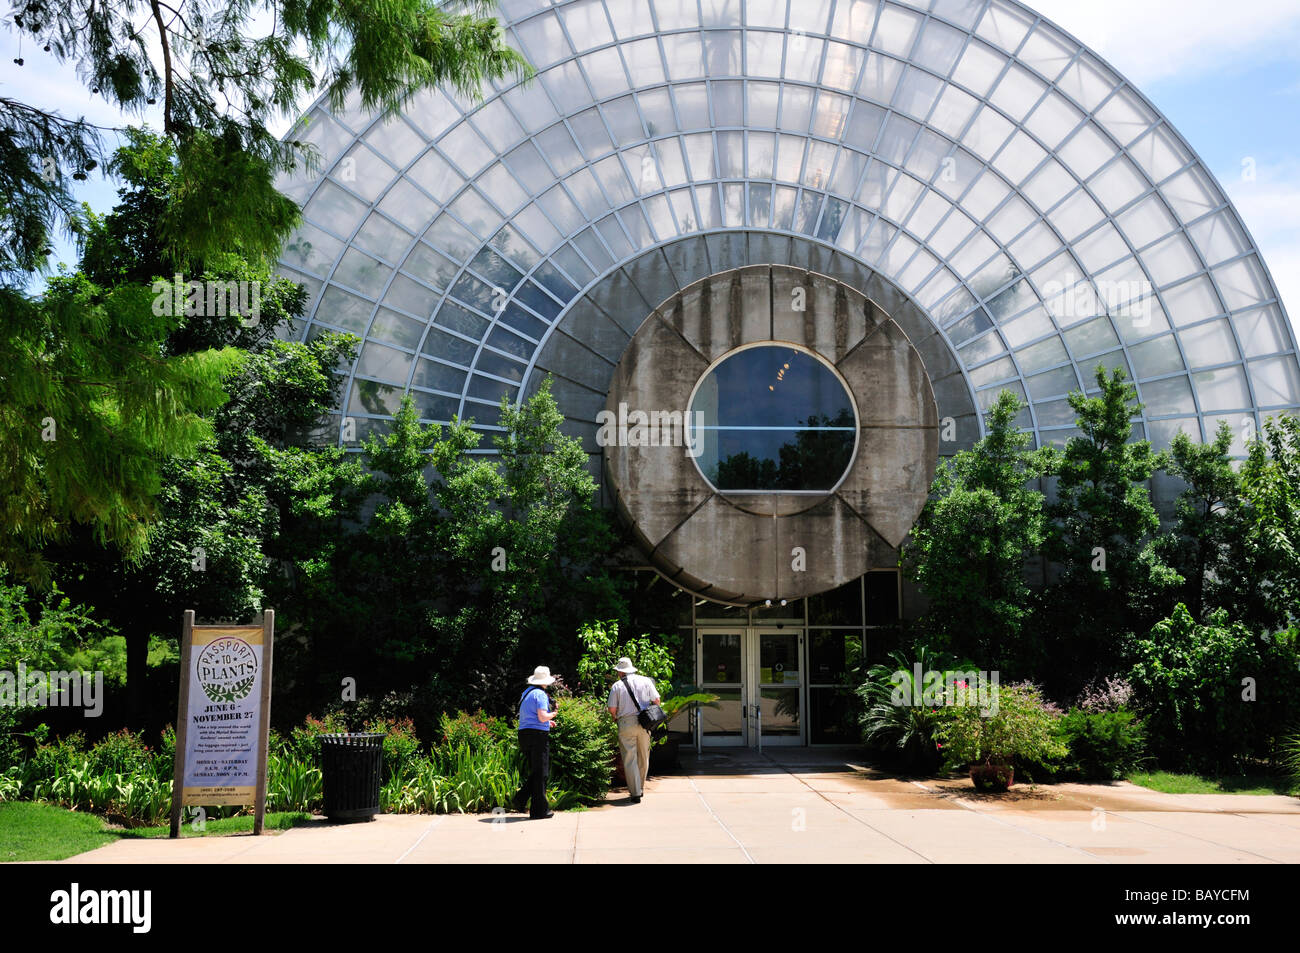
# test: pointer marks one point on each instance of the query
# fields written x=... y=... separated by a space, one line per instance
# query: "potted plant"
x=667 y=742
x=1019 y=723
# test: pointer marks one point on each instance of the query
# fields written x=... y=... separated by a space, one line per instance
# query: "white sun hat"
x=542 y=676
x=625 y=666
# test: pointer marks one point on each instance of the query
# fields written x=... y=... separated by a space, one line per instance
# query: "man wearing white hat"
x=535 y=720
x=633 y=740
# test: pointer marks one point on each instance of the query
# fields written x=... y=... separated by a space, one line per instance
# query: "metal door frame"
x=750 y=690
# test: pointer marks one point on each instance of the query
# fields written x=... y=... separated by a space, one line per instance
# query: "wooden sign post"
x=223 y=717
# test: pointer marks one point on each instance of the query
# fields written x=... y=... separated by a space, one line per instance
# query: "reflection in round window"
x=773 y=419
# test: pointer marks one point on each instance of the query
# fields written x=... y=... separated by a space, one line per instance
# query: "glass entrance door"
x=776 y=685
x=757 y=675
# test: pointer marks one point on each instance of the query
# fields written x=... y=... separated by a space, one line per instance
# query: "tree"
x=969 y=546
x=463 y=566
x=89 y=407
x=223 y=77
x=217 y=528
x=1260 y=573
x=1112 y=580
x=1200 y=538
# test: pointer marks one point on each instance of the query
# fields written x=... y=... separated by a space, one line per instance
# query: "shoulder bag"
x=649 y=717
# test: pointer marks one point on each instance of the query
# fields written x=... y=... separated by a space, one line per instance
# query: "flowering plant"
x=1023 y=725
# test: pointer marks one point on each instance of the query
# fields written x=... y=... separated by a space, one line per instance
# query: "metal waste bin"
x=352 y=767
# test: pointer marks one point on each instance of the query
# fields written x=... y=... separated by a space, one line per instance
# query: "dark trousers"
x=536 y=748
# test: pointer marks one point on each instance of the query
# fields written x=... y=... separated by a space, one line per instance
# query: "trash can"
x=352 y=766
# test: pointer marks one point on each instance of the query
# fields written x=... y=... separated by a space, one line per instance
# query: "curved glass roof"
x=1035 y=205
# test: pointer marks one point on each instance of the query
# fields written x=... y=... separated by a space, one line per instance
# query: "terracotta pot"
x=992 y=777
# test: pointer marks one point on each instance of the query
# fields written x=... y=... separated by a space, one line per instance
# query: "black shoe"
x=635 y=800
x=542 y=817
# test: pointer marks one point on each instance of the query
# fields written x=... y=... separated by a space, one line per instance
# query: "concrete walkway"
x=794 y=806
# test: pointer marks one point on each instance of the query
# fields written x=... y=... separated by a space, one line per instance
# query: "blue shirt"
x=534 y=701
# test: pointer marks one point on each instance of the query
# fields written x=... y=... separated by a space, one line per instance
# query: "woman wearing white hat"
x=535 y=720
x=633 y=740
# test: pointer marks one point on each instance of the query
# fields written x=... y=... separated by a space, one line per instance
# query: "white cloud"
x=1148 y=40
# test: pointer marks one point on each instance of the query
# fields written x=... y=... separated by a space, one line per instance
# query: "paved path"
x=795 y=806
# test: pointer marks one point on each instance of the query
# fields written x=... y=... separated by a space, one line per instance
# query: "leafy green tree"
x=1200 y=538
x=1260 y=569
x=969 y=546
x=90 y=406
x=1217 y=696
x=224 y=72
x=218 y=530
x=463 y=566
x=41 y=631
x=1103 y=522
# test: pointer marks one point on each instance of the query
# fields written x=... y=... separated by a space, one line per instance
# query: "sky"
x=1227 y=76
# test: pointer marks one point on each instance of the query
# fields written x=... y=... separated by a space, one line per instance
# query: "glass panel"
x=1043 y=354
x=397 y=329
x=1158 y=154
x=774 y=418
x=335 y=209
x=1219 y=238
x=384 y=362
x=1086 y=151
x=833 y=716
x=896 y=31
x=778 y=666
x=1209 y=343
x=1096 y=335
x=834 y=654
x=407 y=204
x=882 y=598
x=879 y=78
x=1276 y=381
x=428 y=265
x=1053 y=120
x=1191 y=301
x=1262 y=331
x=1170 y=260
x=1147 y=221
x=1222 y=389
x=1156 y=358
x=1018 y=92
x=411 y=296
x=1191 y=194
x=1170 y=396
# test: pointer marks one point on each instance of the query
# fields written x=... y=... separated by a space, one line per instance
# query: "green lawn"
x=34 y=831
x=226 y=825
x=1173 y=783
x=31 y=831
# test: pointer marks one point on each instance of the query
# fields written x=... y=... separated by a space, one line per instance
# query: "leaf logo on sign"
x=227 y=670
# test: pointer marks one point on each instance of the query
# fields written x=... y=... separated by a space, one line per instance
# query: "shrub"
x=304 y=741
x=584 y=742
x=890 y=722
x=401 y=746
x=1113 y=693
x=1103 y=745
x=1291 y=758
x=1024 y=727
x=122 y=752
x=602 y=649
x=292 y=784
x=474 y=730
x=55 y=760
x=1200 y=712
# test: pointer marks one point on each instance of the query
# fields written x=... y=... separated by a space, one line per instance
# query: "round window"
x=773 y=419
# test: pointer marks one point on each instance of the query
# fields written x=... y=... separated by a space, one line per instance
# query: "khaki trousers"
x=634 y=745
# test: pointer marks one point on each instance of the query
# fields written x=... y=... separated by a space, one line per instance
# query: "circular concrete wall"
x=747 y=547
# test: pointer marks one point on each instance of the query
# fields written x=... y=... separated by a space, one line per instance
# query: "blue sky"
x=1226 y=75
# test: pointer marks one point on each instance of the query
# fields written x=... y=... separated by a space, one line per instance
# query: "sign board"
x=223 y=717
